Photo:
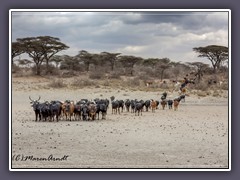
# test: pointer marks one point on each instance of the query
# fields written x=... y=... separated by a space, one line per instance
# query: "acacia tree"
x=17 y=50
x=51 y=46
x=176 y=69
x=41 y=48
x=216 y=54
x=199 y=68
x=33 y=48
x=70 y=63
x=87 y=58
x=110 y=57
x=129 y=62
x=162 y=65
x=151 y=62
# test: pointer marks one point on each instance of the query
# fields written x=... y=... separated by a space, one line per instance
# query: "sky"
x=148 y=34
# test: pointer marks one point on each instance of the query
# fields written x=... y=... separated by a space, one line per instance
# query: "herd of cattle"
x=90 y=110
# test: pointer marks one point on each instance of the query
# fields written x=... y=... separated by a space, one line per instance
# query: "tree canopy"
x=110 y=57
x=129 y=61
x=40 y=48
x=17 y=50
x=216 y=54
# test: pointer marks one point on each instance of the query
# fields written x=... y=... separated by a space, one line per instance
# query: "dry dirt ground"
x=194 y=136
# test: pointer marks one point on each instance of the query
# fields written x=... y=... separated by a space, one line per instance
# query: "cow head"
x=34 y=103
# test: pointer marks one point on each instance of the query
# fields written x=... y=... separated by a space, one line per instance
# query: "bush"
x=67 y=74
x=96 y=75
x=52 y=70
x=106 y=83
x=203 y=86
x=15 y=68
x=57 y=84
x=133 y=82
x=164 y=86
x=80 y=83
x=224 y=86
x=114 y=75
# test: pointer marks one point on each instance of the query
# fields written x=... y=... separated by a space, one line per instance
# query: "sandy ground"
x=195 y=136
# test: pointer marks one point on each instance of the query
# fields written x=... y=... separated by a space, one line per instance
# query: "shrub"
x=96 y=75
x=67 y=74
x=216 y=94
x=15 y=68
x=106 y=83
x=202 y=94
x=83 y=83
x=203 y=86
x=57 y=84
x=52 y=70
x=114 y=75
x=224 y=86
x=133 y=82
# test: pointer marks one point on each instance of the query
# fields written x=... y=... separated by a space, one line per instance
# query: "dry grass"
x=80 y=83
x=57 y=83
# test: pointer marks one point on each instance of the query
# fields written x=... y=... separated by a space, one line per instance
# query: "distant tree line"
x=44 y=49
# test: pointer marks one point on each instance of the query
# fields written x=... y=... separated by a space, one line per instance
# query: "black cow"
x=115 y=107
x=139 y=107
x=77 y=110
x=127 y=104
x=45 y=110
x=164 y=96
x=170 y=103
x=147 y=104
x=36 y=108
x=101 y=107
x=55 y=109
x=157 y=103
x=102 y=101
x=121 y=104
x=84 y=109
x=133 y=103
x=182 y=97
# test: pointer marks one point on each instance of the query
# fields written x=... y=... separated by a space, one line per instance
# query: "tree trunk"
x=162 y=72
x=87 y=67
x=38 y=71
x=47 y=67
x=214 y=69
x=112 y=66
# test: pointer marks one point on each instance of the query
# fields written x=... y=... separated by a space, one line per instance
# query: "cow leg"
x=36 y=116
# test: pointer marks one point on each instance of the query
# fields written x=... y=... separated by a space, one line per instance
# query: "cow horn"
x=39 y=98
x=30 y=99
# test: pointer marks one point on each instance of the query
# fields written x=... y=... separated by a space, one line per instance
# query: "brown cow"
x=153 y=105
x=92 y=110
x=177 y=101
x=163 y=103
x=175 y=104
x=68 y=109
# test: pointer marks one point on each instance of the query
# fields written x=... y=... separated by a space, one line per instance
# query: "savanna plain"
x=194 y=136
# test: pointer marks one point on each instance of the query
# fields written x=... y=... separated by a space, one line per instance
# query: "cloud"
x=145 y=34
